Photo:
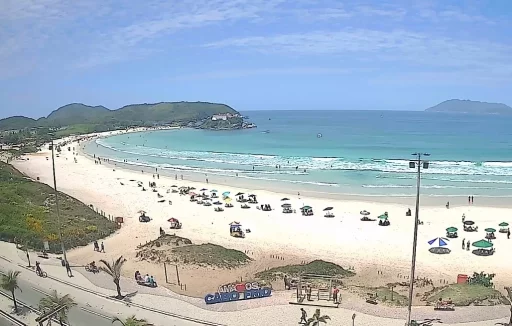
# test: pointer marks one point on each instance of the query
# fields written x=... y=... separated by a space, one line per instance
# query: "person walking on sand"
x=102 y=247
x=463 y=243
x=303 y=316
x=472 y=202
x=467 y=245
x=508 y=234
x=469 y=199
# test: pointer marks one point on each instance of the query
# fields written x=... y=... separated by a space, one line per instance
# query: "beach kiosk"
x=483 y=248
x=504 y=227
x=451 y=232
x=489 y=233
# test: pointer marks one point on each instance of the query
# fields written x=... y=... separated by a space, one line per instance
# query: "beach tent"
x=483 y=244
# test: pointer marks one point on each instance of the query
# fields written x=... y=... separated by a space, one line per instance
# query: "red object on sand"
x=462 y=278
x=240 y=287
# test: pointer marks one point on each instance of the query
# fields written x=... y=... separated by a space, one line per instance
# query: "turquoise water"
x=349 y=152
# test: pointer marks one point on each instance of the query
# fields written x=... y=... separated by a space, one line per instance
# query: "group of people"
x=147 y=280
x=97 y=247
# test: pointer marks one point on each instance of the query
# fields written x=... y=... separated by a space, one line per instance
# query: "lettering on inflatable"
x=238 y=291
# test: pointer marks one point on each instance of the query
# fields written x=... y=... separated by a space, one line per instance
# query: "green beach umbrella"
x=482 y=244
x=451 y=229
x=490 y=230
x=383 y=217
x=503 y=224
x=306 y=207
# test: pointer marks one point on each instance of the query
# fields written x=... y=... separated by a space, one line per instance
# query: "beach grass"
x=318 y=267
x=173 y=248
x=468 y=294
x=211 y=255
x=28 y=213
x=384 y=295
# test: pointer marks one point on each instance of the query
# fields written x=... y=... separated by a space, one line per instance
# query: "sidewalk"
x=234 y=313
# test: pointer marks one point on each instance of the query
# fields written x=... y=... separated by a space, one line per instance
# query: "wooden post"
x=177 y=274
x=165 y=271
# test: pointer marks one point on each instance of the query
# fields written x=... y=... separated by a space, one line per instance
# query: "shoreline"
x=281 y=187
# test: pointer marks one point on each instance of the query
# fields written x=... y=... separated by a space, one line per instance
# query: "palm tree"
x=317 y=319
x=132 y=321
x=114 y=270
x=53 y=301
x=10 y=283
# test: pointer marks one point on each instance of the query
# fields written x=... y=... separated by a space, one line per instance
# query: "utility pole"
x=57 y=206
x=415 y=164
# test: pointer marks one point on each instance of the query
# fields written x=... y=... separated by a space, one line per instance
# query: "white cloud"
x=396 y=45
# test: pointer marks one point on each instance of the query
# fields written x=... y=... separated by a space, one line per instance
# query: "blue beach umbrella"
x=441 y=241
x=226 y=193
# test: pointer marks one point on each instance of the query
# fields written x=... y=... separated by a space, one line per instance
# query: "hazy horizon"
x=253 y=54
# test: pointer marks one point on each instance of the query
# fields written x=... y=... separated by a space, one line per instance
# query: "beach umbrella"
x=192 y=188
x=490 y=230
x=204 y=189
x=503 y=224
x=365 y=213
x=328 y=208
x=142 y=212
x=286 y=205
x=226 y=193
x=383 y=217
x=227 y=200
x=284 y=199
x=441 y=241
x=234 y=223
x=469 y=222
x=213 y=190
x=239 y=194
x=482 y=244
x=192 y=193
x=174 y=186
x=451 y=229
x=217 y=203
x=207 y=198
x=305 y=207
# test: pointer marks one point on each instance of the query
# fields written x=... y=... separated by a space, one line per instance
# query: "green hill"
x=75 y=113
x=28 y=213
x=467 y=106
x=16 y=122
x=99 y=118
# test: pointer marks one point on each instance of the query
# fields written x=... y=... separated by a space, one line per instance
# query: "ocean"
x=340 y=152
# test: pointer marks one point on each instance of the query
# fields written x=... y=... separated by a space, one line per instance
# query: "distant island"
x=467 y=106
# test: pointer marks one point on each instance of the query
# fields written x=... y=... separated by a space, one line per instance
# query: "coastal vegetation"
x=10 y=283
x=114 y=269
x=131 y=321
x=318 y=267
x=28 y=214
x=27 y=134
x=172 y=248
x=468 y=294
x=50 y=302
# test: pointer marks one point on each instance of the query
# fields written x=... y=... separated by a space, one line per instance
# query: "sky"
x=253 y=54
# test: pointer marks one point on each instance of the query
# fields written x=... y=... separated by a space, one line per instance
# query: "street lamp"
x=416 y=163
x=57 y=206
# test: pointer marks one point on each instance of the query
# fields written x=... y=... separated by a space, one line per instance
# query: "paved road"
x=81 y=315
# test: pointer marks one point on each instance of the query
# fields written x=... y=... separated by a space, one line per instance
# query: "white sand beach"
x=344 y=239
